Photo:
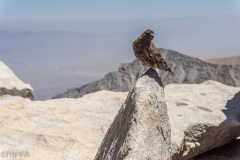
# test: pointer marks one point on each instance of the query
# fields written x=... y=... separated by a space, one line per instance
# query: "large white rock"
x=65 y=129
x=202 y=116
x=141 y=129
x=74 y=128
x=10 y=84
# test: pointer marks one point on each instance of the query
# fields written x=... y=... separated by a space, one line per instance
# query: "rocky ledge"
x=10 y=84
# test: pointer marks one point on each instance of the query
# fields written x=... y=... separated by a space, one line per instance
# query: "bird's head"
x=148 y=34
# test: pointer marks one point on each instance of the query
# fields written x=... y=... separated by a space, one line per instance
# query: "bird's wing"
x=153 y=48
x=156 y=58
x=154 y=54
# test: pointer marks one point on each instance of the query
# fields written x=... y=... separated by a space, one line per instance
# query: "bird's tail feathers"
x=169 y=70
x=165 y=68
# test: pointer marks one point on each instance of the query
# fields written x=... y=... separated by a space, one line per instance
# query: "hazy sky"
x=94 y=9
x=200 y=28
x=79 y=15
x=105 y=32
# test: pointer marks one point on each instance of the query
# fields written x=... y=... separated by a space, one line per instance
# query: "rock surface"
x=186 y=70
x=202 y=116
x=66 y=129
x=74 y=128
x=141 y=130
x=11 y=85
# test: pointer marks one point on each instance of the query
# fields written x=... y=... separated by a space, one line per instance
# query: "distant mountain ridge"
x=186 y=70
x=235 y=60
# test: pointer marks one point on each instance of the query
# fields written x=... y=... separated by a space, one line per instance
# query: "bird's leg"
x=156 y=69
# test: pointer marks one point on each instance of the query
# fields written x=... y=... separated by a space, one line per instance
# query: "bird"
x=147 y=53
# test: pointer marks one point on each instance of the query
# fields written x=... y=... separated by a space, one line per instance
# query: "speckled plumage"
x=147 y=52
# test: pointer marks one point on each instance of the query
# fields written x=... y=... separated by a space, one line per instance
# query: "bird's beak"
x=152 y=35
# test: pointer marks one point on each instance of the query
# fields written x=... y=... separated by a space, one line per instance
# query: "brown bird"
x=147 y=52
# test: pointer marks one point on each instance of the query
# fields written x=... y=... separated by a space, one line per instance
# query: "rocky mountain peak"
x=186 y=70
